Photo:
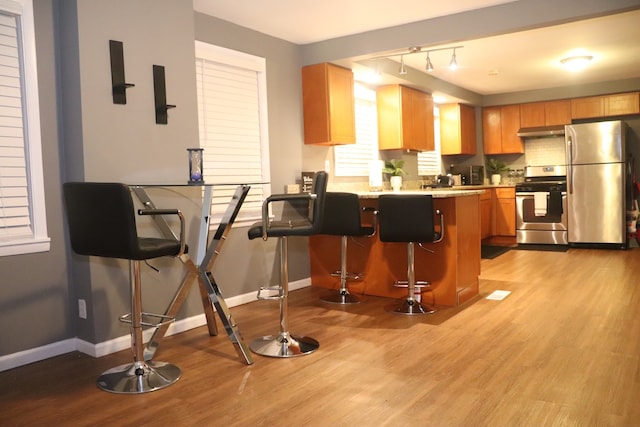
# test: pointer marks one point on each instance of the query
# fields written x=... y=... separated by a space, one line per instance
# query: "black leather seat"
x=342 y=217
x=101 y=218
x=310 y=210
x=409 y=219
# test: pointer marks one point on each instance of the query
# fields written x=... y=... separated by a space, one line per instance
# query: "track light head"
x=453 y=65
x=403 y=69
x=429 y=66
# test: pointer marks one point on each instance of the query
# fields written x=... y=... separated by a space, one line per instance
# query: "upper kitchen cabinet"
x=500 y=126
x=457 y=129
x=328 y=105
x=550 y=113
x=405 y=119
x=620 y=104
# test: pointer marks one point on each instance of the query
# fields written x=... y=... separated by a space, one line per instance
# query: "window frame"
x=250 y=212
x=39 y=241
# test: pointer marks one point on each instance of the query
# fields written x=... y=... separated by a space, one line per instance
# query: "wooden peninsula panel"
x=453 y=268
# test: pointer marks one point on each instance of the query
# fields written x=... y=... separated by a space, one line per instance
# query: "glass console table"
x=201 y=268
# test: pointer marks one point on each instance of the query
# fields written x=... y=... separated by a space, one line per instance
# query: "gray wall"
x=87 y=137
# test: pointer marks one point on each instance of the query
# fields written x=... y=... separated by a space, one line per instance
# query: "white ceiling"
x=507 y=63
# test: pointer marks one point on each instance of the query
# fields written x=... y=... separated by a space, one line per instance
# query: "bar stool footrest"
x=278 y=289
x=162 y=319
x=405 y=284
x=349 y=276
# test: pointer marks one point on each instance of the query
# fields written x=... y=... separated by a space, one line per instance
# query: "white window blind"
x=430 y=162
x=354 y=159
x=233 y=126
x=22 y=216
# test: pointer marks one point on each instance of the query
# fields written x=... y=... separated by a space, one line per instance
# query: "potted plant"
x=393 y=167
x=495 y=168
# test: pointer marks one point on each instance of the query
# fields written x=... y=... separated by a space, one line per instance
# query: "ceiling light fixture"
x=403 y=69
x=576 y=63
x=429 y=66
x=453 y=65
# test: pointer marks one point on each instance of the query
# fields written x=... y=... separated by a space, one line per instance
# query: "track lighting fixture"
x=403 y=69
x=429 y=66
x=453 y=65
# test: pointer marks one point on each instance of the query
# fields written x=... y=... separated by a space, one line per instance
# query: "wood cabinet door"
x=622 y=104
x=532 y=114
x=485 y=214
x=505 y=212
x=505 y=224
x=457 y=129
x=450 y=132
x=557 y=113
x=417 y=119
x=467 y=129
x=491 y=130
x=583 y=108
x=389 y=117
x=328 y=105
x=341 y=105
x=510 y=124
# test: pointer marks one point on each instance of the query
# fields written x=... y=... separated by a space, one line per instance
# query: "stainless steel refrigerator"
x=596 y=183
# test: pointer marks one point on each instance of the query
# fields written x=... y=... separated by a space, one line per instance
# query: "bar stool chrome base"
x=410 y=307
x=341 y=297
x=284 y=345
x=139 y=377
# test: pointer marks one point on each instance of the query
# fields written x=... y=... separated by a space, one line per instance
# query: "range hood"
x=541 y=132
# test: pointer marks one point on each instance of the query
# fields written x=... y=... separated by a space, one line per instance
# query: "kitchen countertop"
x=442 y=192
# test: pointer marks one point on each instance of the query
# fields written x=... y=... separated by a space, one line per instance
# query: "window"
x=23 y=226
x=430 y=162
x=232 y=116
x=354 y=159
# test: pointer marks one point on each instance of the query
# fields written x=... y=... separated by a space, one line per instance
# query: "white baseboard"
x=25 y=357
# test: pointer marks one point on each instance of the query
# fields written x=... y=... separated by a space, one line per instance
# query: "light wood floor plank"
x=563 y=349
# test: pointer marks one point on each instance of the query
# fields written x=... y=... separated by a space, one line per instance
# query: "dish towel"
x=540 y=203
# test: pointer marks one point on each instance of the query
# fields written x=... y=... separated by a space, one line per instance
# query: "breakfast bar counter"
x=452 y=268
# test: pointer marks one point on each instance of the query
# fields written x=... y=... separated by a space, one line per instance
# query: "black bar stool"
x=342 y=217
x=102 y=223
x=285 y=344
x=409 y=218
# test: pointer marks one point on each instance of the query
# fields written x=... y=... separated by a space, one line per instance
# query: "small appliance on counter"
x=469 y=175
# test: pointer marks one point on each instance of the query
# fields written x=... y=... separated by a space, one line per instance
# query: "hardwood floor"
x=563 y=349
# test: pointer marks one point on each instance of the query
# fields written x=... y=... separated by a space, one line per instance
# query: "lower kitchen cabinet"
x=485 y=213
x=504 y=212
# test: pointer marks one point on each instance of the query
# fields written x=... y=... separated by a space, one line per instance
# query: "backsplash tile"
x=545 y=151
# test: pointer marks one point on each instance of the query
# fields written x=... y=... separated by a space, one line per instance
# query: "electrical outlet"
x=82 y=309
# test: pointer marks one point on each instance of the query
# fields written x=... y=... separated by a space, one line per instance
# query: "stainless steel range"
x=541 y=206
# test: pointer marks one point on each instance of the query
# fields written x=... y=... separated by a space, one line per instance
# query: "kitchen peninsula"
x=452 y=268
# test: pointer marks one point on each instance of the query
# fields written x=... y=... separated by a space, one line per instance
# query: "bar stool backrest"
x=406 y=218
x=101 y=218
x=342 y=215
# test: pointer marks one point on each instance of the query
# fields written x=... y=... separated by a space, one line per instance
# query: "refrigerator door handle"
x=570 y=165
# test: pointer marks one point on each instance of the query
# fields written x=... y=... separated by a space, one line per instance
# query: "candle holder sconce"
x=118 y=85
x=195 y=166
x=160 y=93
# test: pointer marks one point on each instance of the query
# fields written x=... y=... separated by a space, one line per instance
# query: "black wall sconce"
x=118 y=85
x=160 y=92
